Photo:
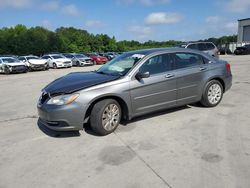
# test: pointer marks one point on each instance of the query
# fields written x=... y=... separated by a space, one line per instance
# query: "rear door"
x=159 y=90
x=190 y=76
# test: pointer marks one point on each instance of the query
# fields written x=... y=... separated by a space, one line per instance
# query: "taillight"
x=228 y=67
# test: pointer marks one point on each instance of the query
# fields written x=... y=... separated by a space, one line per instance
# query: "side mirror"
x=140 y=75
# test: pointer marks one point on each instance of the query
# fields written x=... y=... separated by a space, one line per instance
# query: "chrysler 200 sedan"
x=133 y=84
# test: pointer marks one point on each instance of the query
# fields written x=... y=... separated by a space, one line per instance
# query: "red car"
x=97 y=59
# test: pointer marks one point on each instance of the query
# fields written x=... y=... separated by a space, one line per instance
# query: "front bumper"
x=62 y=118
x=38 y=67
x=18 y=69
x=228 y=82
x=84 y=63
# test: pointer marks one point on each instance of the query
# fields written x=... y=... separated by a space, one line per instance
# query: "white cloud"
x=143 y=2
x=50 y=6
x=71 y=10
x=95 y=23
x=46 y=23
x=212 y=19
x=16 y=3
x=238 y=6
x=216 y=26
x=233 y=26
x=141 y=30
x=163 y=18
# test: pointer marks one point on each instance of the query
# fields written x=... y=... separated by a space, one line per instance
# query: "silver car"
x=207 y=47
x=133 y=84
x=79 y=59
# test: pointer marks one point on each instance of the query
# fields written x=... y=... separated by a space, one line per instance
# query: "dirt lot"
x=186 y=147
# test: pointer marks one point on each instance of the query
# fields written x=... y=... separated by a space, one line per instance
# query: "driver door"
x=158 y=91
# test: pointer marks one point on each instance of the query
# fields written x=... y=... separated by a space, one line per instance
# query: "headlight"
x=63 y=99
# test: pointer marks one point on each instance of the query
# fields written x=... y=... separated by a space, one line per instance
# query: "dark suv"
x=207 y=47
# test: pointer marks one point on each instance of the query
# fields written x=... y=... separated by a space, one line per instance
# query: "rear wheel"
x=78 y=64
x=105 y=116
x=213 y=94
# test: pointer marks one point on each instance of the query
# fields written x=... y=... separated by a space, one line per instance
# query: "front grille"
x=38 y=66
x=67 y=62
x=18 y=67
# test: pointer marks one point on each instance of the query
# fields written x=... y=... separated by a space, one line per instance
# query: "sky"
x=140 y=20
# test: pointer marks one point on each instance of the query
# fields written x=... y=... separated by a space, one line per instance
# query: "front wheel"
x=6 y=70
x=105 y=116
x=54 y=66
x=213 y=94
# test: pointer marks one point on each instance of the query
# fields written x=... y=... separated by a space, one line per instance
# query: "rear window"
x=210 y=46
x=184 y=60
x=192 y=46
x=202 y=46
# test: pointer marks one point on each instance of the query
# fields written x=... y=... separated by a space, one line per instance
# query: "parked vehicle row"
x=14 y=64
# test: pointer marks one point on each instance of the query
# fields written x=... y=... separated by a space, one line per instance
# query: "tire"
x=212 y=94
x=6 y=70
x=101 y=113
x=54 y=66
x=78 y=64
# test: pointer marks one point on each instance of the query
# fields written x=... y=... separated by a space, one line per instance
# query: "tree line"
x=20 y=40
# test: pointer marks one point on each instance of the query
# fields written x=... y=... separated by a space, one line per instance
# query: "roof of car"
x=6 y=57
x=155 y=50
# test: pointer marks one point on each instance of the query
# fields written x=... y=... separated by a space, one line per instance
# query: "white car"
x=79 y=59
x=57 y=61
x=12 y=65
x=34 y=62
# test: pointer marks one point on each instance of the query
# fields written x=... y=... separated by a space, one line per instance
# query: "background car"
x=97 y=59
x=57 y=61
x=207 y=47
x=79 y=59
x=243 y=50
x=12 y=65
x=34 y=62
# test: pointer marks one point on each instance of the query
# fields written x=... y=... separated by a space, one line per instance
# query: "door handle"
x=202 y=68
x=169 y=75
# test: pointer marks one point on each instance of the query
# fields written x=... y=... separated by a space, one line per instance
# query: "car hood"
x=77 y=81
x=37 y=61
x=15 y=64
x=85 y=59
x=62 y=59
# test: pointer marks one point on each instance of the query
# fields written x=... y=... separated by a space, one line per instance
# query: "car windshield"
x=56 y=56
x=10 y=60
x=32 y=57
x=80 y=56
x=121 y=65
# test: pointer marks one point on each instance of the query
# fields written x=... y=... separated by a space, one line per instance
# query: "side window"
x=21 y=58
x=185 y=60
x=202 y=47
x=158 y=64
x=210 y=46
x=193 y=46
x=45 y=57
